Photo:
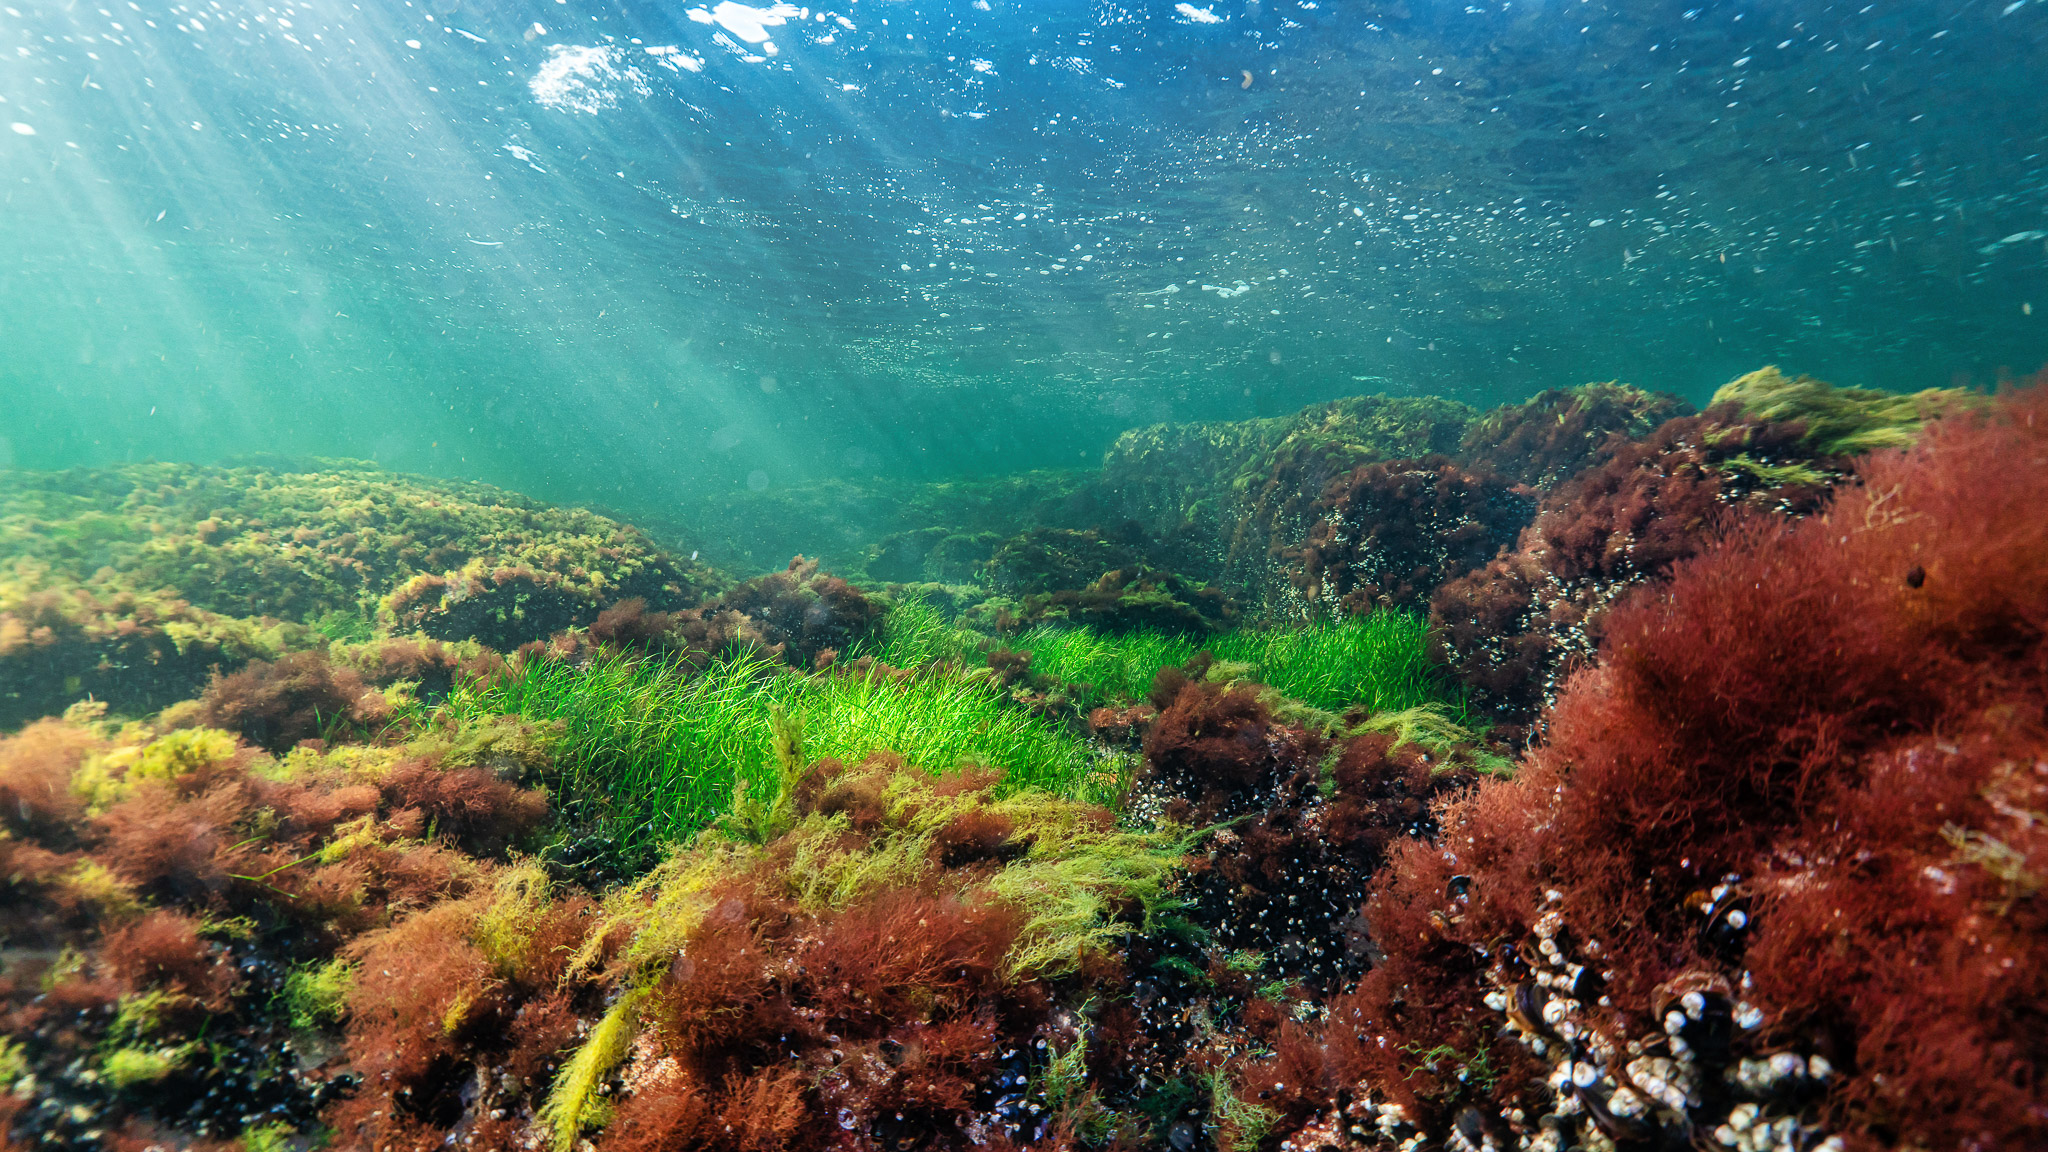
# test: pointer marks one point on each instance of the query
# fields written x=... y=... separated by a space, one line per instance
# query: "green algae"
x=1842 y=421
x=304 y=546
x=316 y=993
x=661 y=752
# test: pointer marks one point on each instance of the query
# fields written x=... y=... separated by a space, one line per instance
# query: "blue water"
x=632 y=252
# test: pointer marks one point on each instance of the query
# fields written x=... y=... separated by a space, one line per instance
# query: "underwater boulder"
x=1049 y=559
x=1391 y=533
x=1548 y=438
x=1133 y=599
x=1512 y=630
x=1219 y=498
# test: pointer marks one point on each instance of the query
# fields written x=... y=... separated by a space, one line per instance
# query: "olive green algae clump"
x=129 y=583
x=346 y=541
x=1842 y=421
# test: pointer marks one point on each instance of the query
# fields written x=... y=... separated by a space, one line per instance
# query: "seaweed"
x=1550 y=437
x=300 y=696
x=1392 y=532
x=1842 y=421
x=650 y=753
x=175 y=906
x=800 y=613
x=877 y=970
x=1513 y=629
x=1773 y=864
x=1134 y=599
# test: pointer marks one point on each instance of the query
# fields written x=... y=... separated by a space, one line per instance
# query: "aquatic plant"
x=1841 y=421
x=1116 y=667
x=175 y=900
x=1215 y=499
x=1773 y=869
x=917 y=633
x=655 y=753
x=800 y=613
x=1513 y=629
x=885 y=966
x=1135 y=598
x=1391 y=533
x=424 y=668
x=300 y=696
x=1378 y=662
x=1548 y=438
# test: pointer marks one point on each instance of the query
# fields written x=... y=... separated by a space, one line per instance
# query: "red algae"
x=1774 y=864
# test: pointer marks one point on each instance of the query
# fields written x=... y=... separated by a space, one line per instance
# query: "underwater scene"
x=1108 y=576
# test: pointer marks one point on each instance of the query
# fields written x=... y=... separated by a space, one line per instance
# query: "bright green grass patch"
x=1379 y=661
x=916 y=633
x=1119 y=666
x=665 y=750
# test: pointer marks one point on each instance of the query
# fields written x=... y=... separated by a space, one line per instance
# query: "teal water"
x=634 y=253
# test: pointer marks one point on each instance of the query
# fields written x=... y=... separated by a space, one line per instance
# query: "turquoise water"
x=635 y=253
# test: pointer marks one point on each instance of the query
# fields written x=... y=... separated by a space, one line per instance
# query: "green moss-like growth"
x=13 y=1062
x=574 y=1104
x=651 y=754
x=272 y=1138
x=129 y=584
x=128 y=1067
x=1239 y=1125
x=317 y=993
x=1842 y=421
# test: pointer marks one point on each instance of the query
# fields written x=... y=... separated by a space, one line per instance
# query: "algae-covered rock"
x=130 y=584
x=1221 y=500
x=1131 y=599
x=1552 y=435
x=65 y=643
x=1842 y=421
x=299 y=545
x=1513 y=629
x=1391 y=533
x=1049 y=559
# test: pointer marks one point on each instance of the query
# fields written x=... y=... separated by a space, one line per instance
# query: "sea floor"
x=1592 y=772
